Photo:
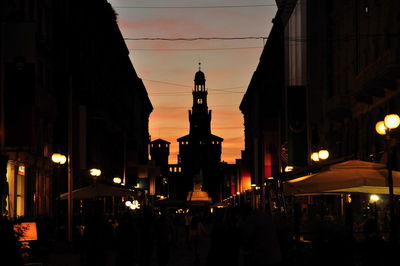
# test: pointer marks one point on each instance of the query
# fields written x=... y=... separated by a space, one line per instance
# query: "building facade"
x=69 y=87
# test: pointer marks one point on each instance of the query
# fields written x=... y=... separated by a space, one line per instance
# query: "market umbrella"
x=346 y=177
x=99 y=190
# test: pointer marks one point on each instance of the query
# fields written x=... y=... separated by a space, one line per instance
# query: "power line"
x=299 y=39
x=177 y=7
x=197 y=49
x=169 y=83
x=196 y=38
x=189 y=93
x=189 y=86
x=188 y=107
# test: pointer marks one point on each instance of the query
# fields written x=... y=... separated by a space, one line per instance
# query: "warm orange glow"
x=28 y=231
x=380 y=128
x=373 y=198
x=299 y=179
x=267 y=164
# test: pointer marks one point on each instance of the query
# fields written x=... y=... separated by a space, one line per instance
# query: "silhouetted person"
x=95 y=238
x=286 y=243
x=188 y=220
x=224 y=242
x=197 y=231
x=259 y=239
x=163 y=240
x=146 y=237
x=9 y=253
x=373 y=248
x=126 y=238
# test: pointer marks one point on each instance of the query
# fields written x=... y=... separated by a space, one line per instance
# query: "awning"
x=99 y=190
x=346 y=177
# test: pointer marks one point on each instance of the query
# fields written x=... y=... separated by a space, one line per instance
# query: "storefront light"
x=373 y=198
x=288 y=168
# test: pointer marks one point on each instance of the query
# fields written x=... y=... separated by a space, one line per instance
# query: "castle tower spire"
x=200 y=117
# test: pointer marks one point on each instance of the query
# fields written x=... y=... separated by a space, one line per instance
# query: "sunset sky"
x=168 y=67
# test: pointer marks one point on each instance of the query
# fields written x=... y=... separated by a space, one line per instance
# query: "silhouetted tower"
x=200 y=116
x=159 y=152
x=200 y=149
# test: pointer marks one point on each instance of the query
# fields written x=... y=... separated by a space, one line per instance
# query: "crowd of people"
x=235 y=236
x=150 y=237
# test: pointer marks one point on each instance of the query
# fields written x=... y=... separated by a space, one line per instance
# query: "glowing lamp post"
x=95 y=172
x=117 y=180
x=315 y=157
x=58 y=158
x=384 y=127
x=320 y=155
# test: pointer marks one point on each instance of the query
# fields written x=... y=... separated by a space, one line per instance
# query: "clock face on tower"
x=199 y=101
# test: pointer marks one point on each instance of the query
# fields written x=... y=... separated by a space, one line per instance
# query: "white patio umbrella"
x=98 y=190
x=346 y=177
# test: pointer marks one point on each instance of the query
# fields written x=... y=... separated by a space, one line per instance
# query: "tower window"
x=200 y=101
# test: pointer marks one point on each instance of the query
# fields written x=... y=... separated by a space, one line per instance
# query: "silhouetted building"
x=328 y=72
x=69 y=87
x=263 y=109
x=159 y=151
x=200 y=150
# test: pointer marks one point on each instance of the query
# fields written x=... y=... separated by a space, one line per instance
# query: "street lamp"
x=95 y=172
x=117 y=180
x=374 y=199
x=59 y=159
x=384 y=127
x=321 y=154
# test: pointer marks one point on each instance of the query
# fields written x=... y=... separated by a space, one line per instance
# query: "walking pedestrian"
x=260 y=244
x=95 y=238
x=197 y=231
x=163 y=240
x=188 y=221
x=126 y=241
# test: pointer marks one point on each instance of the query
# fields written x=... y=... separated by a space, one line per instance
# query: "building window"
x=200 y=101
